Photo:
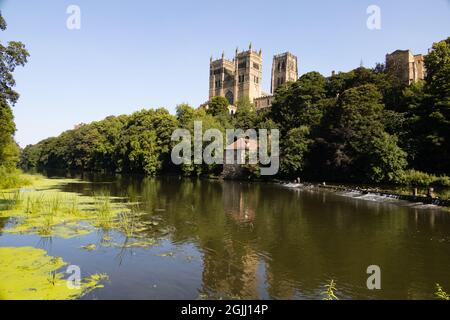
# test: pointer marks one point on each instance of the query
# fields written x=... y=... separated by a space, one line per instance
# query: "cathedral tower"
x=221 y=79
x=248 y=75
x=284 y=69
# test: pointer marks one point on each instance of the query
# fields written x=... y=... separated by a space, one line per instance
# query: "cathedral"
x=242 y=77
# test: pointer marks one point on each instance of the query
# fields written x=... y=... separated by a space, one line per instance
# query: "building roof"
x=243 y=144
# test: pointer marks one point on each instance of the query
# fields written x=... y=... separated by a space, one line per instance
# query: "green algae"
x=90 y=247
x=28 y=273
x=166 y=254
x=51 y=212
x=47 y=211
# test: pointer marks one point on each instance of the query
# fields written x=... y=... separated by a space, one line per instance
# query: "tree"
x=218 y=106
x=385 y=159
x=245 y=117
x=293 y=151
x=187 y=116
x=299 y=103
x=355 y=145
x=146 y=142
x=7 y=129
x=11 y=56
x=435 y=122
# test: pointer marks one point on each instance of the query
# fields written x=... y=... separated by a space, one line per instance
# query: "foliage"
x=218 y=106
x=299 y=103
x=11 y=56
x=329 y=293
x=441 y=294
x=295 y=147
x=364 y=125
x=422 y=179
x=245 y=117
x=186 y=117
x=433 y=127
x=13 y=178
x=354 y=141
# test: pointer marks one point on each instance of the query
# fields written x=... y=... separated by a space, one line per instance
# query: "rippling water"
x=254 y=240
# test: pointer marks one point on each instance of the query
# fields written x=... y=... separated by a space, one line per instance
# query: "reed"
x=329 y=293
x=441 y=294
x=104 y=211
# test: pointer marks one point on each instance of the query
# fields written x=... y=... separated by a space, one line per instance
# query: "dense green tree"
x=300 y=103
x=186 y=117
x=435 y=116
x=387 y=83
x=355 y=144
x=145 y=142
x=11 y=56
x=245 y=117
x=294 y=150
x=218 y=106
x=8 y=149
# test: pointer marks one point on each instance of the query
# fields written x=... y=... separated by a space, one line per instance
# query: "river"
x=241 y=240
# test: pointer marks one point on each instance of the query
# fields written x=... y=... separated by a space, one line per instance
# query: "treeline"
x=358 y=126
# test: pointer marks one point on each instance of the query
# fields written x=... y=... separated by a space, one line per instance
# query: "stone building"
x=242 y=77
x=265 y=101
x=236 y=155
x=408 y=67
x=284 y=69
x=238 y=78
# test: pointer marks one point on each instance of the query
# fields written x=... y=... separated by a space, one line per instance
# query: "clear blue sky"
x=134 y=54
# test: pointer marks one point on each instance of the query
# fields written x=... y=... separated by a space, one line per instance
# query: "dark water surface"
x=263 y=241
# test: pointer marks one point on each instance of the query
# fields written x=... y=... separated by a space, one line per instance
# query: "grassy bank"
x=15 y=178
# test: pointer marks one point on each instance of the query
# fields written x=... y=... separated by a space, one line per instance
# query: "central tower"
x=284 y=69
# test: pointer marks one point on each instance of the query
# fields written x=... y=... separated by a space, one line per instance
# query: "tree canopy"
x=358 y=126
x=12 y=55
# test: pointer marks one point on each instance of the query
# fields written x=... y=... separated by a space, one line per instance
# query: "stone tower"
x=221 y=79
x=236 y=79
x=248 y=74
x=408 y=67
x=284 y=69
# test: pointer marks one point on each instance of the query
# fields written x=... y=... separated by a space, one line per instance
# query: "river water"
x=242 y=240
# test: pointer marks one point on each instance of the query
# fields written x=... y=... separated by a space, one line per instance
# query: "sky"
x=129 y=55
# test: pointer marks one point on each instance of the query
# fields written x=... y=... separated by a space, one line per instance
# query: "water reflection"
x=264 y=241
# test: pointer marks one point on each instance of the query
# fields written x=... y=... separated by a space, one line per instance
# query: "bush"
x=13 y=178
x=422 y=179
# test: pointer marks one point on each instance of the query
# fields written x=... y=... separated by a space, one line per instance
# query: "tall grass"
x=422 y=179
x=104 y=211
x=127 y=223
x=12 y=200
x=13 y=178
